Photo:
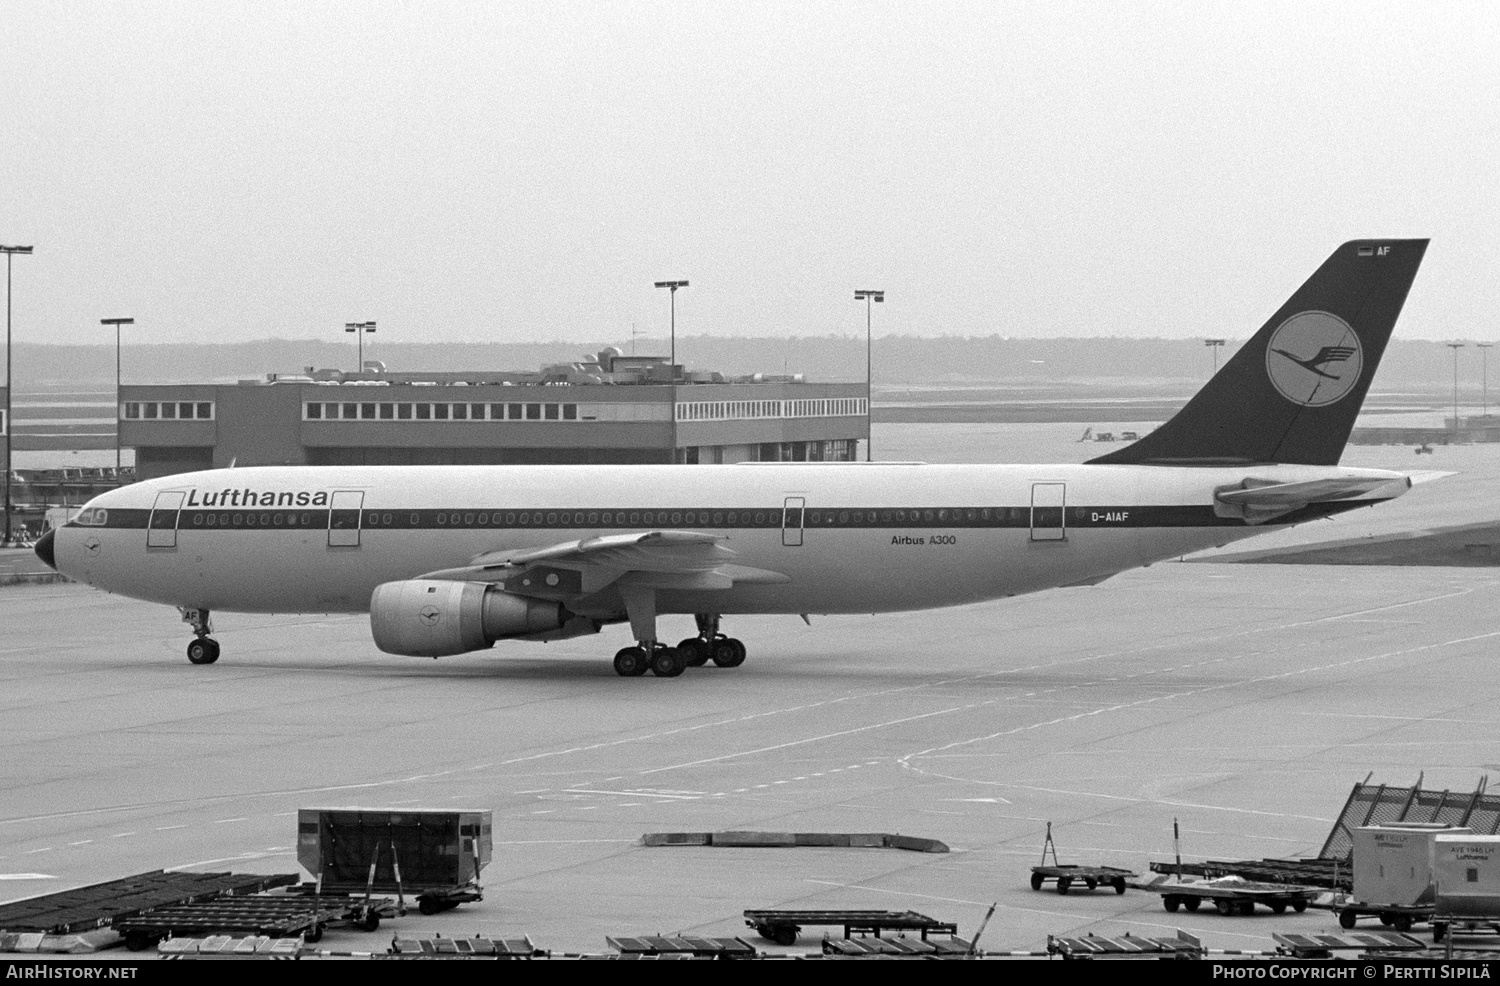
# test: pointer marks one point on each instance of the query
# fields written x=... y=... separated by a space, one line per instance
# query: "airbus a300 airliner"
x=448 y=560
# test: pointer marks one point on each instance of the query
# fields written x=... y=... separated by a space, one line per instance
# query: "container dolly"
x=1066 y=876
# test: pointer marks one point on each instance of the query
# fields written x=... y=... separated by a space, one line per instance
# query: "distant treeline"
x=899 y=360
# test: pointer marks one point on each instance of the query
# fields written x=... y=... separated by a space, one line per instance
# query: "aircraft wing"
x=570 y=569
x=1257 y=502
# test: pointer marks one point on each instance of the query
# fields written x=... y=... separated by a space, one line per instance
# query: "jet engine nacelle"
x=433 y=618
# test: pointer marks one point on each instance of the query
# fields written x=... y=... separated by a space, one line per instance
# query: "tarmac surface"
x=1243 y=700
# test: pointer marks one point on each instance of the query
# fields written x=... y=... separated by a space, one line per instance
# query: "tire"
x=1247 y=908
x=1225 y=906
x=1171 y=902
x=1401 y=922
x=781 y=934
x=203 y=651
x=696 y=649
x=139 y=941
x=1192 y=903
x=728 y=652
x=1036 y=881
x=370 y=922
x=1091 y=884
x=1299 y=905
x=1347 y=919
x=1439 y=932
x=1279 y=907
x=1386 y=920
x=430 y=905
x=668 y=662
x=1063 y=883
x=313 y=934
x=1119 y=885
x=630 y=662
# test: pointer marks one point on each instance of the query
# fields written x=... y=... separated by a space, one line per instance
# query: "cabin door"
x=161 y=529
x=343 y=519
x=1048 y=511
x=791 y=521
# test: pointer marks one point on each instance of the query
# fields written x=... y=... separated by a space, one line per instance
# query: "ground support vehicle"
x=1090 y=876
x=476 y=947
x=902 y=947
x=782 y=927
x=683 y=946
x=1330 y=874
x=1450 y=925
x=102 y=905
x=1398 y=916
x=1232 y=895
x=1184 y=946
x=1323 y=946
x=268 y=916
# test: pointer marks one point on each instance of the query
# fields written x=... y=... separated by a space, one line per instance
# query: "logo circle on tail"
x=1314 y=359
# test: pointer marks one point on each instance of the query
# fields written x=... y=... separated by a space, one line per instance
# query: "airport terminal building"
x=618 y=410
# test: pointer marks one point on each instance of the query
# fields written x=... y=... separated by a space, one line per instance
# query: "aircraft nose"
x=44 y=550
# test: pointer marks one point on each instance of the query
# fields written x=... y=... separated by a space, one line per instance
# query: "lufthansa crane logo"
x=430 y=616
x=1314 y=359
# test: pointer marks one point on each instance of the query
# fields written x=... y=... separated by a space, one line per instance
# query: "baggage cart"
x=1067 y=877
x=435 y=855
x=783 y=926
x=1233 y=895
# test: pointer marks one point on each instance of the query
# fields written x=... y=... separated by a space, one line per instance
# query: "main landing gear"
x=204 y=649
x=694 y=652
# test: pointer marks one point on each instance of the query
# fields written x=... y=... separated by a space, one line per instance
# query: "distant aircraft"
x=450 y=559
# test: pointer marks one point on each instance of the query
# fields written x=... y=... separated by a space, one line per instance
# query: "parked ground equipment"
x=435 y=855
x=1068 y=876
x=783 y=927
x=1233 y=895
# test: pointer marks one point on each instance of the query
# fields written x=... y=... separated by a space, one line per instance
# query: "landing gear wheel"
x=631 y=662
x=203 y=650
x=668 y=662
x=1036 y=881
x=696 y=649
x=728 y=652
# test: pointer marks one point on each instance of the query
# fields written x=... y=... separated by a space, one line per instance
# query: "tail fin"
x=1292 y=392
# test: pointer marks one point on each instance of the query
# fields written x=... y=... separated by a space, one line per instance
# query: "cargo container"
x=1393 y=863
x=433 y=854
x=1467 y=870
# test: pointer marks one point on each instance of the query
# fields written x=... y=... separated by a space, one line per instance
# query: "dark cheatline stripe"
x=713 y=518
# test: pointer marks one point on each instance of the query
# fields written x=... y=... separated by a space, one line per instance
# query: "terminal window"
x=461 y=412
x=403 y=412
x=533 y=412
x=424 y=412
x=167 y=410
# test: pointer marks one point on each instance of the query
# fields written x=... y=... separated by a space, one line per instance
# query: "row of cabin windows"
x=446 y=411
x=831 y=407
x=168 y=411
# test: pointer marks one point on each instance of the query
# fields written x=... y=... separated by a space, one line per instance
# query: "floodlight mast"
x=359 y=329
x=117 y=322
x=9 y=251
x=867 y=297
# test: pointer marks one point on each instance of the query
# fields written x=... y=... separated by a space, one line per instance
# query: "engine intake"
x=433 y=618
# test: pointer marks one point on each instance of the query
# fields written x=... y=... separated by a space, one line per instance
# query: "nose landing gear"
x=203 y=649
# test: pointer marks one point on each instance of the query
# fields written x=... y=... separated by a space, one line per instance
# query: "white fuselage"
x=849 y=538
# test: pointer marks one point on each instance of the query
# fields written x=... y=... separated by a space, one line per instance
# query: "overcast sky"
x=516 y=171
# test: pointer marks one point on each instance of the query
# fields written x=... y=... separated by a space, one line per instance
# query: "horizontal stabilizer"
x=1256 y=501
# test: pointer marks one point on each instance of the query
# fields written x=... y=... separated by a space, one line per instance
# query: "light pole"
x=359 y=329
x=9 y=251
x=117 y=322
x=867 y=297
x=1455 y=346
x=1484 y=371
x=673 y=286
x=1214 y=345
